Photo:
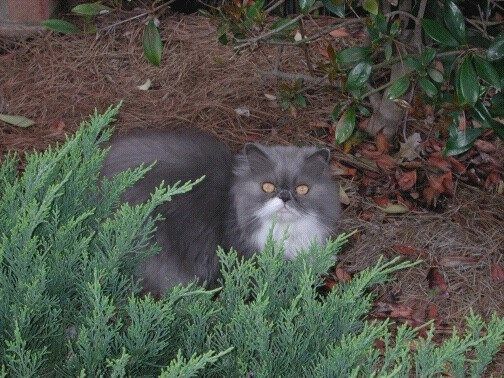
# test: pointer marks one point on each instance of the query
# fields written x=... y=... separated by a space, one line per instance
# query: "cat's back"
x=179 y=155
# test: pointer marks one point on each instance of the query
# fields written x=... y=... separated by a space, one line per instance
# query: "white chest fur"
x=297 y=234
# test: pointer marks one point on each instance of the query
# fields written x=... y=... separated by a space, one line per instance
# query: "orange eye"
x=302 y=189
x=268 y=187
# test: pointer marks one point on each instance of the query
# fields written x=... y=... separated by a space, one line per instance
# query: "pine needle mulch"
x=59 y=80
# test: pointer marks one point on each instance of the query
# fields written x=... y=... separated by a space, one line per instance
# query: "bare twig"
x=417 y=35
x=144 y=14
x=254 y=40
x=354 y=161
x=279 y=58
x=322 y=32
x=403 y=13
x=304 y=46
x=274 y=6
x=293 y=76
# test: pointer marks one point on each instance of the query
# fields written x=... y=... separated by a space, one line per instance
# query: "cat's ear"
x=319 y=160
x=257 y=158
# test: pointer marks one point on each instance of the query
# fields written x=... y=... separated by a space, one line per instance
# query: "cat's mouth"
x=286 y=213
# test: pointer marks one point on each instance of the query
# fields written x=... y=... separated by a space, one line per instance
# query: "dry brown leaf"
x=492 y=180
x=432 y=311
x=381 y=201
x=380 y=345
x=437 y=282
x=439 y=65
x=407 y=180
x=436 y=183
x=339 y=33
x=408 y=250
x=497 y=272
x=447 y=180
x=410 y=149
x=401 y=200
x=366 y=216
x=485 y=146
x=457 y=166
x=385 y=162
x=391 y=310
x=430 y=196
x=57 y=128
x=344 y=199
x=329 y=283
x=342 y=170
x=382 y=143
x=342 y=275
x=438 y=161
x=370 y=152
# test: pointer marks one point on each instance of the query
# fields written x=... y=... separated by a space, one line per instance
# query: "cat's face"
x=288 y=185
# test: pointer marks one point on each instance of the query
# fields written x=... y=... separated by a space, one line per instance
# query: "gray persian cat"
x=236 y=205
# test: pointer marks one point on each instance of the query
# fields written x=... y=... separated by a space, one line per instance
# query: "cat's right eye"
x=268 y=187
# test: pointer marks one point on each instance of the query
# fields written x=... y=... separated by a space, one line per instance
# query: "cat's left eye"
x=302 y=189
x=268 y=187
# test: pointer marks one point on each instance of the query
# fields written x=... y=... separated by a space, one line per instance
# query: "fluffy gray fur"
x=229 y=208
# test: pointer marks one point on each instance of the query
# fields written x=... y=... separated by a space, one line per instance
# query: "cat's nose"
x=284 y=195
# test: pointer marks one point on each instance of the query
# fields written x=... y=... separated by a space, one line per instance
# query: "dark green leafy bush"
x=445 y=51
x=69 y=304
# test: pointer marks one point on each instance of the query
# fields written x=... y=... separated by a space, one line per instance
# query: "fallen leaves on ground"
x=437 y=282
x=497 y=272
x=409 y=251
x=418 y=172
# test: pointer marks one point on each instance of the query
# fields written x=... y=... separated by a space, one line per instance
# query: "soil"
x=57 y=81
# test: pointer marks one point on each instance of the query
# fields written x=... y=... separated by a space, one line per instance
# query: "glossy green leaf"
x=336 y=7
x=497 y=107
x=496 y=49
x=16 y=120
x=438 y=33
x=371 y=6
x=413 y=63
x=352 y=55
x=223 y=38
x=336 y=112
x=395 y=27
x=498 y=128
x=460 y=141
x=486 y=71
x=468 y=82
x=364 y=111
x=358 y=76
x=398 y=88
x=429 y=88
x=91 y=9
x=152 y=44
x=255 y=9
x=427 y=56
x=60 y=26
x=455 y=21
x=305 y=5
x=482 y=115
x=435 y=75
x=388 y=51
x=300 y=101
x=345 y=125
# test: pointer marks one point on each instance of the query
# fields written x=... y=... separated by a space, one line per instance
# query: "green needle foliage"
x=69 y=304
